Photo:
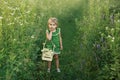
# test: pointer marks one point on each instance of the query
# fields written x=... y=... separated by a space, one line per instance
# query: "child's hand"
x=51 y=29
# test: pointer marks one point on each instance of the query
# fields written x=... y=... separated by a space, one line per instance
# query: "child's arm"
x=49 y=35
x=61 y=46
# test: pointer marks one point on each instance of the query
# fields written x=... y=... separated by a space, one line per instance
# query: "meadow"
x=91 y=39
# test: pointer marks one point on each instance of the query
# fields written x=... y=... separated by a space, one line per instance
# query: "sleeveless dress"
x=54 y=41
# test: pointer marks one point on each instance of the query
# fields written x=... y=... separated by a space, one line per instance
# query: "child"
x=53 y=36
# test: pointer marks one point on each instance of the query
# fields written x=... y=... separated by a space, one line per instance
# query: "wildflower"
x=118 y=20
x=112 y=29
x=32 y=36
x=1 y=17
x=21 y=24
x=112 y=40
x=106 y=28
x=98 y=46
x=14 y=39
x=109 y=36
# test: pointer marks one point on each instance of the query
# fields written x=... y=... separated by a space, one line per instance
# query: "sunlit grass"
x=90 y=41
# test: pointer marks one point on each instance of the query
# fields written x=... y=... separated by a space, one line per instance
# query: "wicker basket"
x=47 y=54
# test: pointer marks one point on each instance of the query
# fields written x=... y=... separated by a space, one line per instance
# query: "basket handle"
x=51 y=42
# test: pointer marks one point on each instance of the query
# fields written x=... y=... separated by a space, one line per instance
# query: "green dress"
x=54 y=41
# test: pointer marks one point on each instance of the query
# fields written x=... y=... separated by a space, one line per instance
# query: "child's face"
x=52 y=26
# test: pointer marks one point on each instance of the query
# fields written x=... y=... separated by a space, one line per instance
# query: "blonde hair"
x=53 y=19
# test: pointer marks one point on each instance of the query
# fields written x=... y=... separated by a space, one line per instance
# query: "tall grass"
x=90 y=31
x=98 y=38
x=22 y=31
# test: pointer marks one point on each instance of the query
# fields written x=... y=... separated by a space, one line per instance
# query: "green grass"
x=84 y=57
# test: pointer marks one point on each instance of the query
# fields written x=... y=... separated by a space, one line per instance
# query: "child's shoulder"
x=58 y=29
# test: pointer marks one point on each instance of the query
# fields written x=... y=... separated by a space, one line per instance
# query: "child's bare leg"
x=49 y=64
x=57 y=61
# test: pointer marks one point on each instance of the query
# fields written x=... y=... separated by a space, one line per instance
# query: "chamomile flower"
x=32 y=36
x=106 y=28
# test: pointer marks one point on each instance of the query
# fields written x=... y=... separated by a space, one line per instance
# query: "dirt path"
x=68 y=60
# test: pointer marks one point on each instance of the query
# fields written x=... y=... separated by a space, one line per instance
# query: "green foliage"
x=99 y=39
x=22 y=32
x=90 y=31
